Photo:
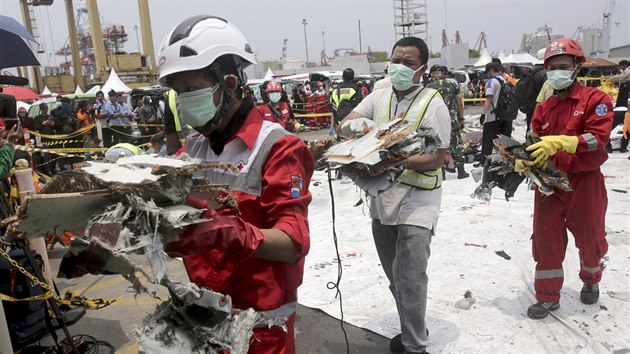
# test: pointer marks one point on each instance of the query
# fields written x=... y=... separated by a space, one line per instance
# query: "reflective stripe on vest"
x=414 y=115
x=172 y=104
x=341 y=94
x=248 y=162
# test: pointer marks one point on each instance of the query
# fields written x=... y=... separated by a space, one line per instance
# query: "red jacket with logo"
x=586 y=113
x=283 y=109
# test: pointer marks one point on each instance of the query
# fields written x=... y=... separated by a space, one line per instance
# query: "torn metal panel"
x=44 y=213
x=381 y=149
x=171 y=329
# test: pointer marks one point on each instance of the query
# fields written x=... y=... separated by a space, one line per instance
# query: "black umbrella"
x=14 y=50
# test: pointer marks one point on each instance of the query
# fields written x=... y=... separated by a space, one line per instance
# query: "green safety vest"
x=414 y=115
x=134 y=149
x=341 y=94
x=172 y=103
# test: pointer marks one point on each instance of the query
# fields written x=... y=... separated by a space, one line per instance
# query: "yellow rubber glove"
x=626 y=126
x=520 y=166
x=548 y=147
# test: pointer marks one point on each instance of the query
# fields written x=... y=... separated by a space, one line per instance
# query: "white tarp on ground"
x=519 y=58
x=115 y=83
x=497 y=323
x=484 y=58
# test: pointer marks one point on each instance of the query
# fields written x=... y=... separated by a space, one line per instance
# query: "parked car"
x=465 y=84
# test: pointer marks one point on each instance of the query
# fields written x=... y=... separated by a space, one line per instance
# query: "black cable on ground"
x=335 y=285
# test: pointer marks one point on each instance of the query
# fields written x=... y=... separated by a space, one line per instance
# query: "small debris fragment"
x=503 y=254
x=467 y=302
x=602 y=307
x=359 y=203
x=475 y=245
x=619 y=190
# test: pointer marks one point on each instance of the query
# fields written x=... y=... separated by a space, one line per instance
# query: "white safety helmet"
x=197 y=42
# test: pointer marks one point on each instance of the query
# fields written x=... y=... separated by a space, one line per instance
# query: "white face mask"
x=402 y=76
x=560 y=79
x=197 y=107
x=275 y=96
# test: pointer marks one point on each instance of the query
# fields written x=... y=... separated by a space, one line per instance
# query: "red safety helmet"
x=274 y=86
x=320 y=84
x=565 y=46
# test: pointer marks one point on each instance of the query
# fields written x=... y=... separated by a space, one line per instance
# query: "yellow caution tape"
x=314 y=115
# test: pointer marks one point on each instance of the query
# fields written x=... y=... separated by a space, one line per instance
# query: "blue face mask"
x=275 y=96
x=402 y=76
x=197 y=107
x=560 y=79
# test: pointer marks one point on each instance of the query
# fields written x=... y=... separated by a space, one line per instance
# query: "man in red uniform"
x=320 y=105
x=574 y=126
x=257 y=257
x=274 y=109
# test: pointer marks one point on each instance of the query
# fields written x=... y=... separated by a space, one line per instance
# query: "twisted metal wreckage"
x=374 y=161
x=499 y=170
x=137 y=205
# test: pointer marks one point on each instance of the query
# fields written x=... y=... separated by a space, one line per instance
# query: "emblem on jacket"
x=601 y=110
x=297 y=184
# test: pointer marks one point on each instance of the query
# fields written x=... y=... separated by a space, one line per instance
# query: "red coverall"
x=283 y=109
x=586 y=113
x=320 y=106
x=258 y=283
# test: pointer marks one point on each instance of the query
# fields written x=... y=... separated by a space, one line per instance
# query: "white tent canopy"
x=484 y=59
x=115 y=83
x=20 y=104
x=268 y=75
x=46 y=91
x=78 y=91
x=519 y=58
x=94 y=89
x=502 y=56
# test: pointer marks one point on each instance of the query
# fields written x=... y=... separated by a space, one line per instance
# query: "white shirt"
x=493 y=89
x=383 y=83
x=402 y=204
x=623 y=77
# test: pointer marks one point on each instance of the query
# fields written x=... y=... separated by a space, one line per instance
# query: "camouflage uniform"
x=450 y=95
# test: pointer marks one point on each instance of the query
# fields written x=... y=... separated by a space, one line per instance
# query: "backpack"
x=507 y=106
x=26 y=319
x=528 y=87
x=346 y=106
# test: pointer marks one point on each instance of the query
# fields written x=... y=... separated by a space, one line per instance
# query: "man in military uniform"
x=450 y=94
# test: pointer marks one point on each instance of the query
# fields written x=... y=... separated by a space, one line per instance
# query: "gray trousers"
x=404 y=252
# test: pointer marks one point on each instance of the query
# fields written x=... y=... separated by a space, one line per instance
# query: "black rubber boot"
x=589 y=294
x=395 y=344
x=541 y=309
x=461 y=173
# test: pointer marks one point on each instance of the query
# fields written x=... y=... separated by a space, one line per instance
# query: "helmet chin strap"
x=227 y=97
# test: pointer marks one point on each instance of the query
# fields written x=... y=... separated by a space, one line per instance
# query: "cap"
x=436 y=67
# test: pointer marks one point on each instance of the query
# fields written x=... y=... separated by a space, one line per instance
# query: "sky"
x=266 y=23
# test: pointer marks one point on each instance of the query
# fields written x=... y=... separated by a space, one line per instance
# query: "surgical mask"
x=275 y=96
x=560 y=79
x=402 y=76
x=197 y=107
